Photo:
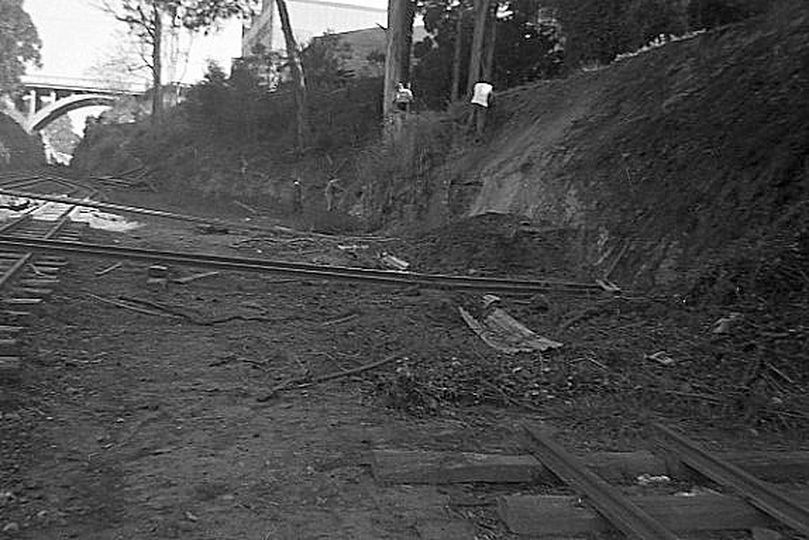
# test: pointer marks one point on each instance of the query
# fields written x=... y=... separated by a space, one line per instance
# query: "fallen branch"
x=177 y=312
x=189 y=279
x=305 y=382
x=109 y=269
x=130 y=307
x=246 y=207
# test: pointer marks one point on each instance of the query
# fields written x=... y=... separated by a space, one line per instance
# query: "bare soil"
x=147 y=425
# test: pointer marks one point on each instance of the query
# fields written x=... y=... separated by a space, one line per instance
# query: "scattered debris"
x=191 y=517
x=212 y=229
x=724 y=324
x=109 y=269
x=303 y=382
x=342 y=320
x=394 y=262
x=502 y=332
x=662 y=358
x=608 y=286
x=157 y=274
x=245 y=207
x=647 y=479
x=189 y=279
x=97 y=219
x=128 y=306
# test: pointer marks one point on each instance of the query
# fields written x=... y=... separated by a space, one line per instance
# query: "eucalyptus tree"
x=19 y=44
x=149 y=20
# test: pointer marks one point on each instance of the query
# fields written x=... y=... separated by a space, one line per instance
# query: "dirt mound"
x=496 y=244
x=17 y=148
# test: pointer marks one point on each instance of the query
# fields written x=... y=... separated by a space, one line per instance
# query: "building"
x=309 y=18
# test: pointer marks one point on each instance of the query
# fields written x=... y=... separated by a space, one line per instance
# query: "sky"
x=77 y=36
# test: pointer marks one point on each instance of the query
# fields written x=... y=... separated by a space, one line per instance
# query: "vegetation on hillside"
x=19 y=44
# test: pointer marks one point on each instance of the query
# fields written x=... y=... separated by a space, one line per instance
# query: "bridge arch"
x=64 y=106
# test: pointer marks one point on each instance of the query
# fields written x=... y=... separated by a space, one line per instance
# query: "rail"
x=342 y=273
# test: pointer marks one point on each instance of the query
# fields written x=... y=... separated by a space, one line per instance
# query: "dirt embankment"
x=662 y=159
x=17 y=148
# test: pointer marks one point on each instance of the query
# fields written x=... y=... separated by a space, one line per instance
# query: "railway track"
x=659 y=519
x=26 y=278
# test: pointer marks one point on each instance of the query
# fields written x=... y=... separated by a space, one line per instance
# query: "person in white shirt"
x=481 y=101
x=403 y=98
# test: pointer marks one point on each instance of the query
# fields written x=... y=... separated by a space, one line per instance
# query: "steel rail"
x=608 y=501
x=760 y=494
x=439 y=281
x=137 y=210
x=24 y=258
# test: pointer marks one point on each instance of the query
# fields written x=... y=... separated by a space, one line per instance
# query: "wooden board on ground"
x=424 y=467
x=433 y=467
x=565 y=515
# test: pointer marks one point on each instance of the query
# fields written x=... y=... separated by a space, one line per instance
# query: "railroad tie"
x=760 y=494
x=625 y=515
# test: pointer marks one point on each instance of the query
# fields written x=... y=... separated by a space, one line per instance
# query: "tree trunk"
x=157 y=66
x=478 y=38
x=407 y=43
x=488 y=48
x=298 y=78
x=397 y=14
x=456 y=58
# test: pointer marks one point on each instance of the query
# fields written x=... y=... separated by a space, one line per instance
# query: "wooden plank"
x=22 y=301
x=421 y=467
x=434 y=467
x=565 y=515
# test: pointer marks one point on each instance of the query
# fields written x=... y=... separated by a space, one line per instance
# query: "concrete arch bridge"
x=49 y=97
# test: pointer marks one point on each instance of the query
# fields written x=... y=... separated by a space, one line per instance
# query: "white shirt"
x=482 y=92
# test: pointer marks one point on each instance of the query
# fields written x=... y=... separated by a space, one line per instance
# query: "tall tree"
x=476 y=60
x=149 y=19
x=399 y=34
x=19 y=44
x=298 y=77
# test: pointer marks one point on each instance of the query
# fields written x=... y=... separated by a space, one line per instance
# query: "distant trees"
x=148 y=20
x=597 y=31
x=19 y=44
x=324 y=60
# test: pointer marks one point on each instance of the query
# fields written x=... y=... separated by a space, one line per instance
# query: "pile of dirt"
x=494 y=244
x=17 y=148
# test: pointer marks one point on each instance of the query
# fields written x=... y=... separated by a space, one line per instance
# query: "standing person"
x=481 y=100
x=297 y=196
x=403 y=98
x=332 y=187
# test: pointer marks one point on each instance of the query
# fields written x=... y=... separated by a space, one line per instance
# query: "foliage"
x=527 y=48
x=240 y=108
x=19 y=44
x=190 y=14
x=324 y=60
x=596 y=31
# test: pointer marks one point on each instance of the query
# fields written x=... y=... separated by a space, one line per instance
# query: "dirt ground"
x=147 y=424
